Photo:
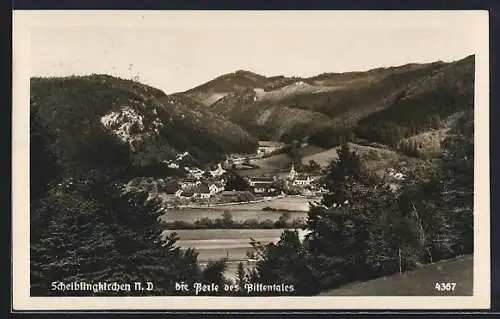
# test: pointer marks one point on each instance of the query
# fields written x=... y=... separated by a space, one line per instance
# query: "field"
x=310 y=150
x=268 y=165
x=214 y=244
x=292 y=203
x=420 y=282
x=278 y=163
x=297 y=205
x=322 y=158
x=374 y=158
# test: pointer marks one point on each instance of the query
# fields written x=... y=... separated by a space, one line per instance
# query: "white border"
x=24 y=20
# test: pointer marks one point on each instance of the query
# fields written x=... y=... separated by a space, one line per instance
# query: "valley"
x=243 y=155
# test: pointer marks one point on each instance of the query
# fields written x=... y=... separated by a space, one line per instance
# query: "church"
x=298 y=179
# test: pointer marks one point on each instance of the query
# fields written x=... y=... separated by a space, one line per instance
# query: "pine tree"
x=241 y=278
x=339 y=223
x=236 y=182
x=457 y=180
x=341 y=172
x=286 y=261
x=214 y=274
x=44 y=168
x=96 y=234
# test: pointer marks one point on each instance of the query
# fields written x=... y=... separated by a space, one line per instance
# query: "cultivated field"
x=292 y=203
x=374 y=158
x=297 y=205
x=310 y=150
x=213 y=244
x=420 y=282
x=322 y=158
x=192 y=215
x=268 y=165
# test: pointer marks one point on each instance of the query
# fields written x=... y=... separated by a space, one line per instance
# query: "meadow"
x=419 y=282
x=213 y=244
x=297 y=207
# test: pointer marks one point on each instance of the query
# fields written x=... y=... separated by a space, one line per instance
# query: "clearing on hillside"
x=373 y=157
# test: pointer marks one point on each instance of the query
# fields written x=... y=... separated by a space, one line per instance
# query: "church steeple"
x=292 y=173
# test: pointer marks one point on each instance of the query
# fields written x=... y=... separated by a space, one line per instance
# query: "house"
x=181 y=156
x=261 y=185
x=392 y=173
x=173 y=165
x=194 y=172
x=299 y=179
x=178 y=193
x=264 y=190
x=232 y=193
x=266 y=147
x=302 y=180
x=260 y=181
x=218 y=171
x=189 y=184
x=202 y=191
x=216 y=188
x=184 y=194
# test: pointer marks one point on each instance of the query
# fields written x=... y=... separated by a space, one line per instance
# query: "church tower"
x=292 y=174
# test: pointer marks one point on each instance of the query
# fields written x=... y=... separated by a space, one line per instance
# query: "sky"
x=175 y=51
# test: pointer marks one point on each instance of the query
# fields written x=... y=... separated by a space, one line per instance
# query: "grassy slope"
x=419 y=282
x=375 y=159
x=340 y=101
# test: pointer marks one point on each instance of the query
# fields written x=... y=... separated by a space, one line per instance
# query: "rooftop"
x=271 y=144
x=261 y=179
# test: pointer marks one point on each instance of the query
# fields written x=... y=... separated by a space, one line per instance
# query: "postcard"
x=222 y=160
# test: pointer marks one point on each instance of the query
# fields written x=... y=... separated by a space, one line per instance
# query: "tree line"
x=86 y=228
x=362 y=229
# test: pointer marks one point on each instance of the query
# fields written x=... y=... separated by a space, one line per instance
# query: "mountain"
x=378 y=105
x=104 y=122
x=210 y=92
x=100 y=121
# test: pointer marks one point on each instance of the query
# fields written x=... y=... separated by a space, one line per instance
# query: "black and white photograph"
x=242 y=154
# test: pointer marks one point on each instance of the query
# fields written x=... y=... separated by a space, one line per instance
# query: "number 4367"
x=445 y=286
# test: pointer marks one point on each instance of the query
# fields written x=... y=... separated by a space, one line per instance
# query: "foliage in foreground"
x=87 y=230
x=362 y=229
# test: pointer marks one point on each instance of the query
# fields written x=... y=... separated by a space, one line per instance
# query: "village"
x=235 y=180
x=227 y=183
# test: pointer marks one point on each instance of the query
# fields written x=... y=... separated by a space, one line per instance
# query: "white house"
x=215 y=189
x=202 y=191
x=183 y=194
x=303 y=181
x=259 y=181
x=173 y=165
x=189 y=184
x=181 y=156
x=266 y=147
x=218 y=171
x=391 y=172
x=205 y=195
x=194 y=172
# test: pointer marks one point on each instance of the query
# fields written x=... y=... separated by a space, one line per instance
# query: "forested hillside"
x=102 y=122
x=383 y=105
x=361 y=229
x=91 y=135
